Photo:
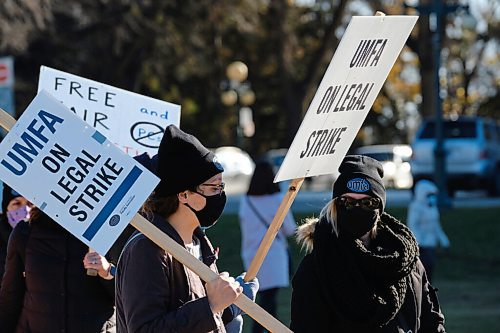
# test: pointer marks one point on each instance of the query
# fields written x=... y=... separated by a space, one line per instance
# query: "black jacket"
x=49 y=291
x=156 y=293
x=419 y=312
x=5 y=230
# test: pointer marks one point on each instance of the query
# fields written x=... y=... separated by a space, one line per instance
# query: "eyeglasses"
x=365 y=203
x=213 y=189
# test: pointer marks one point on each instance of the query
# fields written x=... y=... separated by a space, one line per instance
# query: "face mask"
x=356 y=221
x=214 y=206
x=17 y=215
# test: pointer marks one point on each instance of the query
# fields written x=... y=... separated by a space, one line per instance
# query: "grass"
x=467 y=274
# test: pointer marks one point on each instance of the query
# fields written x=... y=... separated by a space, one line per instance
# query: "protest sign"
x=355 y=75
x=357 y=71
x=89 y=186
x=73 y=173
x=133 y=122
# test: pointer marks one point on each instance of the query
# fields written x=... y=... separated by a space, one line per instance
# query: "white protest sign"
x=133 y=122
x=73 y=173
x=359 y=67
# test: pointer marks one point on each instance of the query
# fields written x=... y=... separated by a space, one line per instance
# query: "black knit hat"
x=183 y=162
x=360 y=174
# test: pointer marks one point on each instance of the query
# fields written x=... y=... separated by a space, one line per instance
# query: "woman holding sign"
x=363 y=273
x=155 y=292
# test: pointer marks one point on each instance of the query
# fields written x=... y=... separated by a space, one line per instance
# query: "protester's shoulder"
x=139 y=243
x=305 y=271
x=21 y=231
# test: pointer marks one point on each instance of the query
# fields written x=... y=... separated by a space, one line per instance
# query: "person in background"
x=46 y=288
x=154 y=291
x=256 y=212
x=423 y=220
x=363 y=273
x=15 y=208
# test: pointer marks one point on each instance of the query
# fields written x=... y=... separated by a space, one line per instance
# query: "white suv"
x=395 y=161
x=472 y=148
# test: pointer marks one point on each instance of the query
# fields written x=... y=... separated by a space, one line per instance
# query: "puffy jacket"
x=419 y=313
x=46 y=288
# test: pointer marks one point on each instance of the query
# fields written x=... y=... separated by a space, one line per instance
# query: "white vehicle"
x=395 y=160
x=472 y=148
x=238 y=168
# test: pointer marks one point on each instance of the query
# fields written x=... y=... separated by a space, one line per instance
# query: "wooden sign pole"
x=274 y=228
x=184 y=257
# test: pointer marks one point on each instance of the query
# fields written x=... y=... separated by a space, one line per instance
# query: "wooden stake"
x=184 y=257
x=274 y=228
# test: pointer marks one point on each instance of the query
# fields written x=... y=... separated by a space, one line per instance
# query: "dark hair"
x=262 y=180
x=163 y=206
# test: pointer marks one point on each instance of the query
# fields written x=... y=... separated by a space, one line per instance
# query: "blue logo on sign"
x=114 y=220
x=358 y=185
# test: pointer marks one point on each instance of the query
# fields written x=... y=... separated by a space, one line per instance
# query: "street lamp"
x=236 y=91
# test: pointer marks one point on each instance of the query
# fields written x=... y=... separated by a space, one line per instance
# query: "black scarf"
x=365 y=287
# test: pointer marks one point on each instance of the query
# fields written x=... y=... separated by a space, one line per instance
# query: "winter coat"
x=274 y=272
x=5 y=231
x=310 y=311
x=46 y=288
x=156 y=293
x=423 y=217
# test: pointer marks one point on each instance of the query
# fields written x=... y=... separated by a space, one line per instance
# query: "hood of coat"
x=305 y=233
x=423 y=188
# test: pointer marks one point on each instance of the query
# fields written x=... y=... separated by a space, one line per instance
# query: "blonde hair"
x=305 y=232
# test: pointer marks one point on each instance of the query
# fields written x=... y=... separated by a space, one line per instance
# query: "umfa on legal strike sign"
x=133 y=122
x=73 y=173
x=358 y=69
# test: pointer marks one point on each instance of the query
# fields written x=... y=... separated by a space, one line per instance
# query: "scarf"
x=365 y=287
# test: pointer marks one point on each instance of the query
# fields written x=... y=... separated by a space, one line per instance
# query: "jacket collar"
x=207 y=250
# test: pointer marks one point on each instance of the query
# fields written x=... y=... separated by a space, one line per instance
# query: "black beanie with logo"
x=183 y=162
x=360 y=174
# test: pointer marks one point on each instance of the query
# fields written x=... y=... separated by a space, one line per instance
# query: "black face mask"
x=356 y=221
x=214 y=206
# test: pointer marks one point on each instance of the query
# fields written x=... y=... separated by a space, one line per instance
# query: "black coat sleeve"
x=431 y=318
x=13 y=283
x=144 y=292
x=303 y=314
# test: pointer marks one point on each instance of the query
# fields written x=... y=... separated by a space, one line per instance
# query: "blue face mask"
x=432 y=200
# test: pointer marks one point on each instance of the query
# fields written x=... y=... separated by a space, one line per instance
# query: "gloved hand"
x=250 y=290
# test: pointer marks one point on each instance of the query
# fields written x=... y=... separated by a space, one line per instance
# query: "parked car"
x=472 y=150
x=238 y=168
x=395 y=160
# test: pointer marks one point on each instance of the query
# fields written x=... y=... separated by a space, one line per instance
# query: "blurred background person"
x=423 y=220
x=256 y=212
x=46 y=288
